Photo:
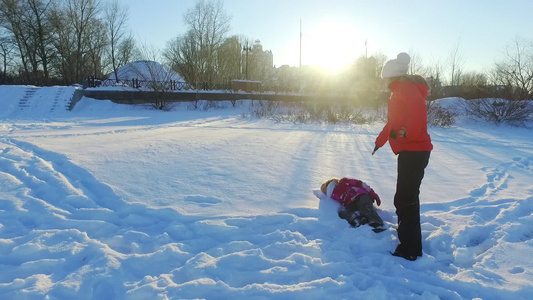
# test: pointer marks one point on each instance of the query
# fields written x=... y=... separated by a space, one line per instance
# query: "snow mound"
x=451 y=102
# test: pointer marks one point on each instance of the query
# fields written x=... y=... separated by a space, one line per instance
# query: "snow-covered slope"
x=30 y=101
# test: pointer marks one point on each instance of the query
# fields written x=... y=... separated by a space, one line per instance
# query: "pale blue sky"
x=432 y=29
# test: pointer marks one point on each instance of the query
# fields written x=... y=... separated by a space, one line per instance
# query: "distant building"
x=258 y=65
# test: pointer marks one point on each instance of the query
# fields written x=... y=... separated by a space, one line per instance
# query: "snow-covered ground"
x=113 y=201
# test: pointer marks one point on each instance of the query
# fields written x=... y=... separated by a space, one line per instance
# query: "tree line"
x=511 y=77
x=62 y=41
x=46 y=42
x=65 y=41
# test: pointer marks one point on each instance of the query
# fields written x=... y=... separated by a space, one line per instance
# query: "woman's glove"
x=375 y=149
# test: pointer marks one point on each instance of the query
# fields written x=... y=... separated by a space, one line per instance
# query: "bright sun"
x=331 y=45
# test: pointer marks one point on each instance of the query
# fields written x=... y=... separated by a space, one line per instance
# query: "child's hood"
x=331 y=187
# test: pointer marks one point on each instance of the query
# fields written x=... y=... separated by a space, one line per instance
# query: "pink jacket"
x=348 y=189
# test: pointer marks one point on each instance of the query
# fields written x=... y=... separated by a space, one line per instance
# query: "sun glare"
x=331 y=45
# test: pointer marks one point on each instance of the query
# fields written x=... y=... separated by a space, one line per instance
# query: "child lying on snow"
x=357 y=200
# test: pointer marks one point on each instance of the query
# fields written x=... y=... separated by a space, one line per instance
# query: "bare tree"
x=11 y=12
x=434 y=74
x=415 y=65
x=474 y=79
x=181 y=54
x=96 y=43
x=455 y=61
x=229 y=59
x=41 y=32
x=6 y=54
x=28 y=23
x=516 y=70
x=474 y=85
x=126 y=50
x=64 y=41
x=208 y=25
x=506 y=101
x=74 y=22
x=115 y=18
x=380 y=58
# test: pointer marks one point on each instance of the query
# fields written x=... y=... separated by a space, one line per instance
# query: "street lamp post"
x=247 y=49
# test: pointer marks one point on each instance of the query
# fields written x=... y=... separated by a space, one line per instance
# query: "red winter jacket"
x=348 y=189
x=407 y=109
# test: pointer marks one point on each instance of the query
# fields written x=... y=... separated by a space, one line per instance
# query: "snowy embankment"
x=111 y=201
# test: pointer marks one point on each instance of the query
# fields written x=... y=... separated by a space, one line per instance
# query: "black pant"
x=411 y=165
x=365 y=206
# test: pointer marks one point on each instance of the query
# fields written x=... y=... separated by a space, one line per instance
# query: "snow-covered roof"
x=146 y=70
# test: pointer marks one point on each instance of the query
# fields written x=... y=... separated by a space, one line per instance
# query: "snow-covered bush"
x=265 y=109
x=307 y=112
x=501 y=110
x=440 y=116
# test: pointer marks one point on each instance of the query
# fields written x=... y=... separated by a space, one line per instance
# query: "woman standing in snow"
x=406 y=132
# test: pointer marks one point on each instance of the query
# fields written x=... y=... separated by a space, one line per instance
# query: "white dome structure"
x=146 y=70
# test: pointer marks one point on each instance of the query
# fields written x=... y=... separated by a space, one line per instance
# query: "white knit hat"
x=396 y=67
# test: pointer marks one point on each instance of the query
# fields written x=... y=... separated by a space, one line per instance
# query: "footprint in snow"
x=516 y=270
x=522 y=162
x=203 y=201
x=497 y=179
